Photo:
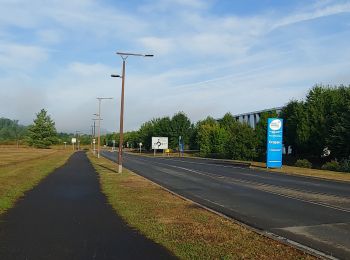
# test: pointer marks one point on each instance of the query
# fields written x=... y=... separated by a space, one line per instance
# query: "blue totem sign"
x=181 y=145
x=274 y=143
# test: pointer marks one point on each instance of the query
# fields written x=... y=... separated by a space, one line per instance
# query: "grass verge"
x=184 y=228
x=22 y=169
x=12 y=155
x=323 y=174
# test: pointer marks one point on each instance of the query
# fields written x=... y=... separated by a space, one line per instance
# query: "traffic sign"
x=159 y=143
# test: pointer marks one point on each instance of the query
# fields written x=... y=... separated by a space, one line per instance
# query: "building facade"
x=252 y=118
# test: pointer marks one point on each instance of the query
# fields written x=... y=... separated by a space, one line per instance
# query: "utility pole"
x=77 y=136
x=94 y=134
x=124 y=56
x=99 y=123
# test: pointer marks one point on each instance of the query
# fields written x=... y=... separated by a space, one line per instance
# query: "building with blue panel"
x=252 y=118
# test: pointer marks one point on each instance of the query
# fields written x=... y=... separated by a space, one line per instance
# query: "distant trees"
x=261 y=133
x=11 y=131
x=211 y=138
x=42 y=133
x=178 y=125
x=225 y=138
x=321 y=121
x=242 y=142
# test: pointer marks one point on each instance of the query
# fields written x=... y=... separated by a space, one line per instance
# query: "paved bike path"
x=67 y=217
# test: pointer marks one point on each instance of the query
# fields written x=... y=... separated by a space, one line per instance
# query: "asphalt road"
x=312 y=212
x=67 y=217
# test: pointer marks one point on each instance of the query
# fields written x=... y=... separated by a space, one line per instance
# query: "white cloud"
x=20 y=98
x=204 y=63
x=160 y=45
x=173 y=5
x=19 y=56
x=319 y=12
x=200 y=33
x=49 y=36
x=91 y=70
x=80 y=17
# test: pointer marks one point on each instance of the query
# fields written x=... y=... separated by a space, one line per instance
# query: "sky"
x=210 y=57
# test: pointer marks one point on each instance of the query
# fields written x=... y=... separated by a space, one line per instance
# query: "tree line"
x=219 y=138
x=319 y=123
x=317 y=128
x=11 y=131
x=41 y=134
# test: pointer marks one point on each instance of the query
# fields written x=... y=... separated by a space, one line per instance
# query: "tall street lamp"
x=94 y=134
x=99 y=123
x=77 y=135
x=124 y=56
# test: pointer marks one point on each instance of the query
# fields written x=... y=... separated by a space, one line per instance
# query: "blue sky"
x=211 y=57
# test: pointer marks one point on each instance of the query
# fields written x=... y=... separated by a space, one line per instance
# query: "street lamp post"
x=94 y=133
x=99 y=123
x=77 y=135
x=124 y=56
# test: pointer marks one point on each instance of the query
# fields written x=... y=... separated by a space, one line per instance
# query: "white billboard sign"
x=160 y=143
x=74 y=140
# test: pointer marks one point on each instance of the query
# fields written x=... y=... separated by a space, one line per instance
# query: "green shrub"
x=331 y=166
x=303 y=163
x=345 y=165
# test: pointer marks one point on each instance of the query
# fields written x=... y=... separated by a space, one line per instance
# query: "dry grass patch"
x=12 y=155
x=184 y=228
x=22 y=169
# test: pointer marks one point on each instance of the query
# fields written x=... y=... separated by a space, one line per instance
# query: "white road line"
x=251 y=182
x=255 y=182
x=211 y=164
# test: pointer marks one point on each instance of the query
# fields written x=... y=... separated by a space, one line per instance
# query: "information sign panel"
x=74 y=140
x=159 y=143
x=274 y=143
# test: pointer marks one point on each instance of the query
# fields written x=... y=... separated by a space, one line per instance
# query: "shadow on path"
x=67 y=217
